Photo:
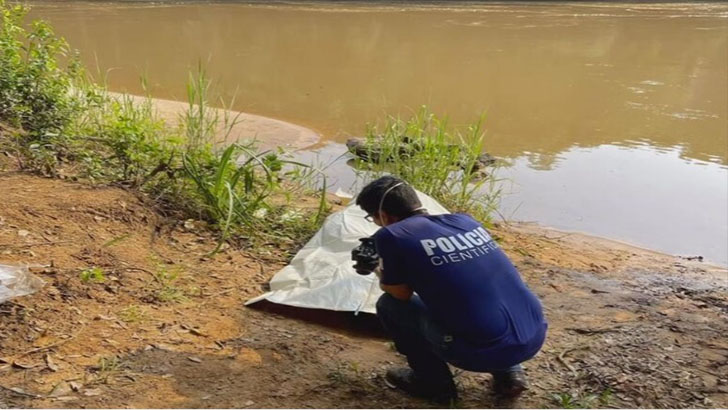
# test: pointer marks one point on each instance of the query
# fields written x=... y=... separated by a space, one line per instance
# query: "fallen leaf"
x=192 y=330
x=23 y=233
x=93 y=392
x=50 y=363
x=20 y=391
x=76 y=386
x=60 y=389
x=20 y=365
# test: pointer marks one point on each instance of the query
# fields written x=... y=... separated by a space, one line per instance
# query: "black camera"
x=365 y=256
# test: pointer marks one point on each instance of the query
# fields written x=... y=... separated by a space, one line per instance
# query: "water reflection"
x=644 y=196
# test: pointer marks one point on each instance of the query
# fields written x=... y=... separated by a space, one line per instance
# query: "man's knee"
x=386 y=303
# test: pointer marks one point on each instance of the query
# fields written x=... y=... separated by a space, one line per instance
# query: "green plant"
x=235 y=186
x=93 y=275
x=438 y=160
x=168 y=291
x=136 y=146
x=107 y=367
x=583 y=401
x=131 y=314
x=36 y=98
x=34 y=87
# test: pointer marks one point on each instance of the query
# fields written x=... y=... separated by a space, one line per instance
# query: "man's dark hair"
x=400 y=202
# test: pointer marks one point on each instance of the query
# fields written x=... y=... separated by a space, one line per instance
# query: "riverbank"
x=268 y=133
x=166 y=325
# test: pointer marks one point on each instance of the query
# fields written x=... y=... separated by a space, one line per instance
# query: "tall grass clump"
x=444 y=162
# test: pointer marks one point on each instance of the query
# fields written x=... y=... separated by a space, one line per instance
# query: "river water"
x=612 y=117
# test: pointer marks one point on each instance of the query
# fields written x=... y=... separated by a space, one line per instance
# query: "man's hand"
x=378 y=270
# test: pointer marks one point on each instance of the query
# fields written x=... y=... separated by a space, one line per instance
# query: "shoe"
x=406 y=379
x=510 y=384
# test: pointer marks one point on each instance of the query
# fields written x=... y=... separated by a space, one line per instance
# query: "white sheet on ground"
x=321 y=275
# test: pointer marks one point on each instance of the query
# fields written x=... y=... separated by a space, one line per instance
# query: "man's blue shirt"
x=468 y=284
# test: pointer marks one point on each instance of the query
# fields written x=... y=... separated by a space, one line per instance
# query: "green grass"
x=583 y=401
x=437 y=159
x=167 y=277
x=132 y=314
x=94 y=274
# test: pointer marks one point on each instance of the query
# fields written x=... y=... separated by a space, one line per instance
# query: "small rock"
x=23 y=233
x=249 y=403
x=194 y=359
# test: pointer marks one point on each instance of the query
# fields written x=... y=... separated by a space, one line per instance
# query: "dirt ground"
x=164 y=326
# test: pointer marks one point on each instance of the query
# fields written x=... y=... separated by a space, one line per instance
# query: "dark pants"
x=428 y=348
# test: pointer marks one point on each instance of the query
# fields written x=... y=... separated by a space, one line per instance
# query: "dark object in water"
x=372 y=152
x=692 y=258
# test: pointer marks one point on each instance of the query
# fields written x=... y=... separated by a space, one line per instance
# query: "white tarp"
x=321 y=275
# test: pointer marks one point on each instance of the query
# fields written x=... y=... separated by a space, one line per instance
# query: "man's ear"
x=386 y=218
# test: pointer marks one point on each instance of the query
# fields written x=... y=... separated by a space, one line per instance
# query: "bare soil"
x=167 y=327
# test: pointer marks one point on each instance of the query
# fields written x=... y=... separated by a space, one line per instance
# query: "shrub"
x=35 y=88
x=438 y=160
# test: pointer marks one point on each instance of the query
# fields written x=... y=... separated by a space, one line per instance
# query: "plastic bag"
x=16 y=281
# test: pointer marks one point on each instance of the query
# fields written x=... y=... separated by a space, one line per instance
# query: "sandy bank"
x=269 y=132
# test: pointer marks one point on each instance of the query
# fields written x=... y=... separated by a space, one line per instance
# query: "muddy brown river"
x=612 y=117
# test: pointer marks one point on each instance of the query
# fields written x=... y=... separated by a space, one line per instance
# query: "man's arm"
x=402 y=292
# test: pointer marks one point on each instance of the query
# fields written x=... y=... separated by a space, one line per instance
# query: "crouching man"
x=451 y=296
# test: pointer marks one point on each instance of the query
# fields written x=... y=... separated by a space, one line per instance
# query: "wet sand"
x=269 y=133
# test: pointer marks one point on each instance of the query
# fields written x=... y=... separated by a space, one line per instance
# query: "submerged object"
x=371 y=150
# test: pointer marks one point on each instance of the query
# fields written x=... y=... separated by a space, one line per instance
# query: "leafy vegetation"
x=94 y=274
x=439 y=160
x=583 y=401
x=167 y=276
x=54 y=120
x=132 y=314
